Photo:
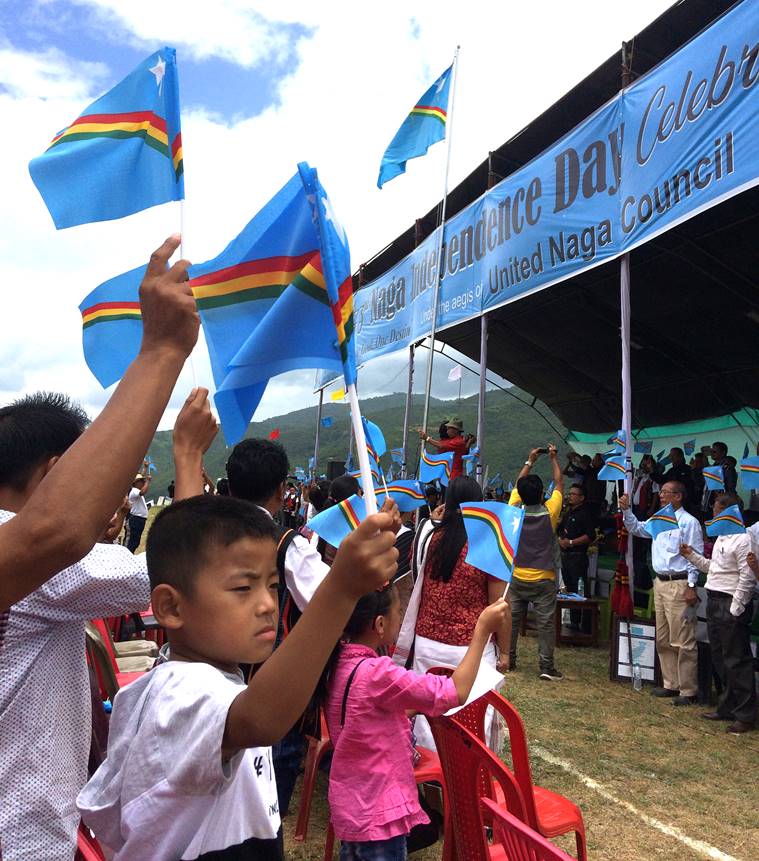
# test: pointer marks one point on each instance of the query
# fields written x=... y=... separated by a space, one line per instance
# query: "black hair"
x=343 y=487
x=678 y=450
x=445 y=551
x=367 y=608
x=728 y=499
x=431 y=490
x=32 y=430
x=318 y=494
x=576 y=487
x=530 y=489
x=256 y=468
x=721 y=445
x=183 y=535
x=222 y=487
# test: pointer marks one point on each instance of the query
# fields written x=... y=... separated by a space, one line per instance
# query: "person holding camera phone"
x=537 y=560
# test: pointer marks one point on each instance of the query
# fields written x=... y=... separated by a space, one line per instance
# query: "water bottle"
x=637 y=678
x=581 y=587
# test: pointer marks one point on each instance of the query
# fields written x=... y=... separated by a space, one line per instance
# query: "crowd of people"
x=266 y=623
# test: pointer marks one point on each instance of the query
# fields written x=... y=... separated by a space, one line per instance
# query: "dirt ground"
x=674 y=769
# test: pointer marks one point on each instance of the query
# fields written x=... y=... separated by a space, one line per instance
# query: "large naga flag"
x=278 y=298
x=122 y=155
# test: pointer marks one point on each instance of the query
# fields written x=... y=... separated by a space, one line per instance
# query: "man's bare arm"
x=56 y=528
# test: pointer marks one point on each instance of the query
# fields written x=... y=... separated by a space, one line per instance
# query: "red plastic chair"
x=87 y=847
x=427 y=770
x=519 y=841
x=471 y=768
x=548 y=813
x=317 y=748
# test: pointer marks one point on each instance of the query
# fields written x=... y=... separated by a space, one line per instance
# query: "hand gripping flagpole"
x=441 y=228
x=367 y=484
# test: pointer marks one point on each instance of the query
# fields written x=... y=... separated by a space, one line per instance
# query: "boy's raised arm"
x=280 y=690
x=57 y=527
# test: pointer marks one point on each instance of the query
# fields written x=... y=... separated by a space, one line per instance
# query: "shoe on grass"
x=685 y=701
x=717 y=716
x=664 y=692
x=552 y=675
x=739 y=727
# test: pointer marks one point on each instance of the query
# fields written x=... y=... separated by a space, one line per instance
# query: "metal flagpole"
x=314 y=471
x=441 y=228
x=624 y=310
x=481 y=401
x=407 y=411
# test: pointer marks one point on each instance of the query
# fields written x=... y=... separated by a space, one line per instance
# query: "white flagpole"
x=367 y=483
x=441 y=228
x=181 y=257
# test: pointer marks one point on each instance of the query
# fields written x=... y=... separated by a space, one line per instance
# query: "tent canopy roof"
x=694 y=300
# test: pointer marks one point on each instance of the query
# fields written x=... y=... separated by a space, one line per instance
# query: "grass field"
x=667 y=763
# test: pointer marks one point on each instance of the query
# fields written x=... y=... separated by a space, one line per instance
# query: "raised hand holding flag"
x=664 y=520
x=335 y=523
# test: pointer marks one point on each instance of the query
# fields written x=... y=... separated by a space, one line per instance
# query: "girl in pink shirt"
x=373 y=797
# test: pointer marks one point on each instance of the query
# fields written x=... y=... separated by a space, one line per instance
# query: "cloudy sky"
x=263 y=86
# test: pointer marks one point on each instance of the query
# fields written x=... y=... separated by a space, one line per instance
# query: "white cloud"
x=357 y=76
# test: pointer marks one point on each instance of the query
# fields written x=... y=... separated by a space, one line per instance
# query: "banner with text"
x=677 y=141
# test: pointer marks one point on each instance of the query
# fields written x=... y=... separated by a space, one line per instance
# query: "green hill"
x=512 y=428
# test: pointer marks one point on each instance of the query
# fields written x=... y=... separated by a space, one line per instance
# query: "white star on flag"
x=515 y=524
x=159 y=70
x=440 y=83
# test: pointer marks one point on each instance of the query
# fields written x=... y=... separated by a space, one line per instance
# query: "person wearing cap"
x=138 y=510
x=455 y=442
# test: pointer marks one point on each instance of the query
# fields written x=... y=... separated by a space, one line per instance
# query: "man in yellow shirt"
x=537 y=560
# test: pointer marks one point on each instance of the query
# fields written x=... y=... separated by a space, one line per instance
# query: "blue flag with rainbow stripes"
x=335 y=523
x=112 y=326
x=424 y=126
x=664 y=520
x=728 y=522
x=407 y=494
x=122 y=155
x=278 y=298
x=436 y=466
x=493 y=530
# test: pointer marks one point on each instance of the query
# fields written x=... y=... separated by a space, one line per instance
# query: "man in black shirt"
x=576 y=531
x=680 y=471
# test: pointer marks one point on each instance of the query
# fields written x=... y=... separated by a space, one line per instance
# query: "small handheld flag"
x=408 y=495
x=375 y=440
x=422 y=128
x=643 y=446
x=496 y=481
x=327 y=422
x=727 y=522
x=435 y=467
x=749 y=469
x=664 y=520
x=122 y=155
x=151 y=466
x=689 y=447
x=510 y=487
x=714 y=477
x=339 y=395
x=397 y=455
x=613 y=469
x=619 y=442
x=550 y=490
x=335 y=523
x=493 y=530
x=745 y=451
x=660 y=456
x=454 y=374
x=112 y=326
x=311 y=462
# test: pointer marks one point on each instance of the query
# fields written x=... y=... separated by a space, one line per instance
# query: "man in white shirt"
x=138 y=510
x=45 y=707
x=674 y=591
x=730 y=585
x=257 y=471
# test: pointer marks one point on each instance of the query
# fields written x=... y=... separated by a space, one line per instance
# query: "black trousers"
x=730 y=641
x=574 y=567
x=136 y=528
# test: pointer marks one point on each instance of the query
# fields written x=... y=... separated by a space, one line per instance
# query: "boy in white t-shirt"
x=189 y=772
